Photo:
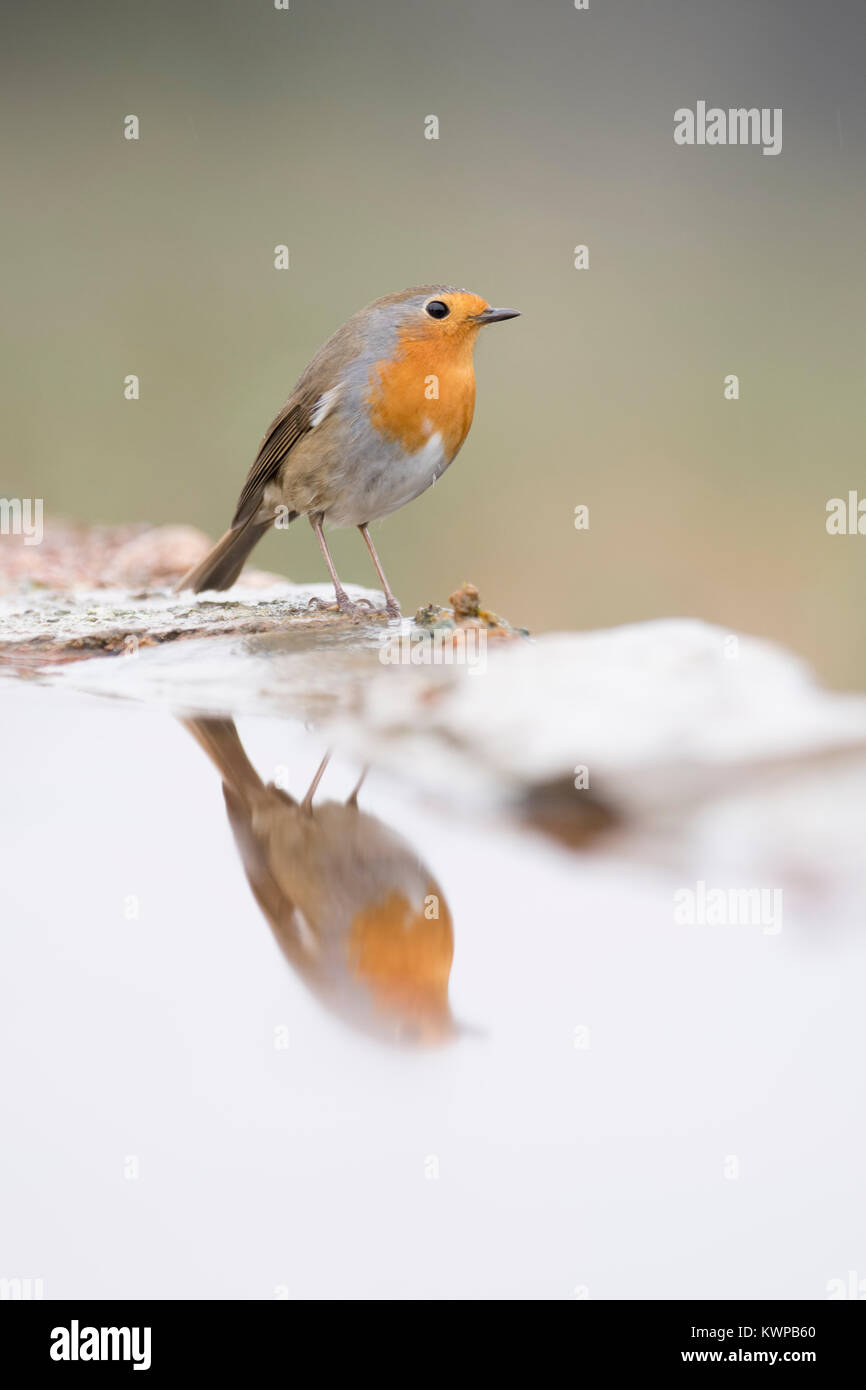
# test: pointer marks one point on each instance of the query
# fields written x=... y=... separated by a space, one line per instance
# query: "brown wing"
x=324 y=374
x=290 y=425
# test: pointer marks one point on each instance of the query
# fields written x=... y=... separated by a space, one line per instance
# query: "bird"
x=354 y=909
x=378 y=415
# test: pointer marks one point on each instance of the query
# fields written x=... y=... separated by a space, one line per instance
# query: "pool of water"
x=204 y=1095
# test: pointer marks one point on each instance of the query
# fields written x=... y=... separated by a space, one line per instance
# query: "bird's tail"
x=221 y=566
x=220 y=740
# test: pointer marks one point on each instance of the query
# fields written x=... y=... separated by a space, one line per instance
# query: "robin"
x=376 y=418
x=353 y=907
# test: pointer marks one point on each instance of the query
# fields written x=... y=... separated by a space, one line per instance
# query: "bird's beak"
x=496 y=315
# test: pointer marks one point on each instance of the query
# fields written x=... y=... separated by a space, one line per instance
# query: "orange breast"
x=426 y=389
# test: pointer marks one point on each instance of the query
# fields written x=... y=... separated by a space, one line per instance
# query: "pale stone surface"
x=38 y=627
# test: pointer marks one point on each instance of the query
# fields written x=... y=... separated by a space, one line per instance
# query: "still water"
x=255 y=1048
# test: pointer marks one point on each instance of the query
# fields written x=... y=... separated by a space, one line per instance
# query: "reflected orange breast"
x=401 y=953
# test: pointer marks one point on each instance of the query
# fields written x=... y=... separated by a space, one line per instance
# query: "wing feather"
x=292 y=423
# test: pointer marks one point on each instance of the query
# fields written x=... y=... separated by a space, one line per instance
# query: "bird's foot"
x=320 y=605
x=353 y=608
x=392 y=607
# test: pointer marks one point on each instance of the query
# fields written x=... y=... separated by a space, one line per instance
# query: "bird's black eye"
x=437 y=310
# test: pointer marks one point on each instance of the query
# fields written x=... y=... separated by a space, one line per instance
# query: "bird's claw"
x=353 y=608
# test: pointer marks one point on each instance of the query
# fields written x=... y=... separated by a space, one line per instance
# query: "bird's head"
x=440 y=314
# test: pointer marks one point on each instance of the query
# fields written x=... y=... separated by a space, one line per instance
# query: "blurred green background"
x=306 y=127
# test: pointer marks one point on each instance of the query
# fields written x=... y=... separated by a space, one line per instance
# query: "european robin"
x=376 y=418
x=354 y=909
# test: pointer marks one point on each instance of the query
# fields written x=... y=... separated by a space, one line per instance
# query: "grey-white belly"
x=384 y=479
x=347 y=470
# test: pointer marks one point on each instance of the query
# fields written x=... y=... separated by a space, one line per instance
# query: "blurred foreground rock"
x=684 y=744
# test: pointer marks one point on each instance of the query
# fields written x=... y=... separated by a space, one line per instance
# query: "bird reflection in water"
x=354 y=909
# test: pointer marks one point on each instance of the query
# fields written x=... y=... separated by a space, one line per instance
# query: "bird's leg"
x=353 y=799
x=307 y=803
x=392 y=607
x=344 y=603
